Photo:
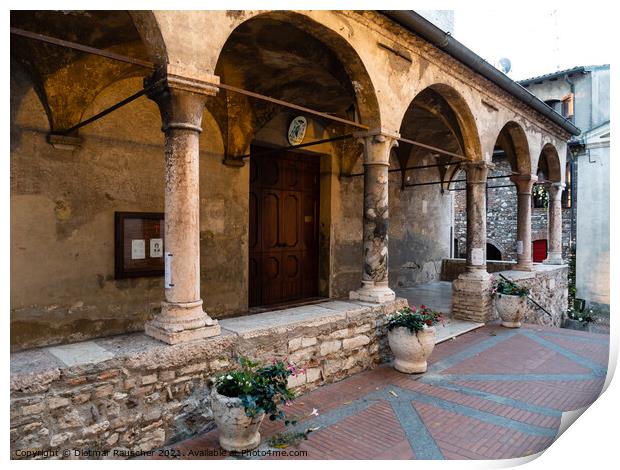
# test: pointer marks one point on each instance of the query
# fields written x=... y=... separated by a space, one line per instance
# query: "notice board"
x=138 y=244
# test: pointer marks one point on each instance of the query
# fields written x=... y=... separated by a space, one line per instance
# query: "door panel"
x=289 y=235
x=539 y=251
x=283 y=238
x=270 y=219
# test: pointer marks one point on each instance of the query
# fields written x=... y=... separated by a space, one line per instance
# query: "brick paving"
x=493 y=393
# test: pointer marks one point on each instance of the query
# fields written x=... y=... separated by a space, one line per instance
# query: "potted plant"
x=240 y=399
x=411 y=335
x=579 y=320
x=510 y=302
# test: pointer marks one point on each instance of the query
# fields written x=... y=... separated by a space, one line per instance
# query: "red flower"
x=429 y=322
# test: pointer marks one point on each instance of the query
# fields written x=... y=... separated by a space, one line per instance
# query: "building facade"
x=187 y=168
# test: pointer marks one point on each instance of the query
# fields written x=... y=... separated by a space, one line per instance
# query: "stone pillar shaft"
x=181 y=102
x=554 y=219
x=377 y=147
x=476 y=217
x=524 y=184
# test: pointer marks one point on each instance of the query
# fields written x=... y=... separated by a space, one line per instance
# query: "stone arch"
x=459 y=120
x=368 y=110
x=494 y=248
x=148 y=28
x=512 y=140
x=549 y=163
x=318 y=68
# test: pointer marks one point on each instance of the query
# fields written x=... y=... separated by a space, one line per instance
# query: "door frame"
x=325 y=238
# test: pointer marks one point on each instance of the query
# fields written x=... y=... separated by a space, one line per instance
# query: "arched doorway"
x=289 y=190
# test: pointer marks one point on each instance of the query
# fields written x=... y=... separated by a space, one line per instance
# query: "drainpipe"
x=572 y=155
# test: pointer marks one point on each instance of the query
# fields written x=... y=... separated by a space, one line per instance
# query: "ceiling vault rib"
x=81 y=48
x=430 y=147
x=107 y=111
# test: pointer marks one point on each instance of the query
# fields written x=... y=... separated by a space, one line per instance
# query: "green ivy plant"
x=260 y=388
x=539 y=192
x=414 y=318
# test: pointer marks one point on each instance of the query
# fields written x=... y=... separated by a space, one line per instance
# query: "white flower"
x=229 y=377
x=580 y=319
x=315 y=412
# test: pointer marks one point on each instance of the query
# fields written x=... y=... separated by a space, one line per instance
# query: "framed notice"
x=138 y=244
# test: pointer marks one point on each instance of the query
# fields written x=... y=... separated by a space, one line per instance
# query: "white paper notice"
x=519 y=247
x=137 y=249
x=156 y=247
x=477 y=257
x=168 y=271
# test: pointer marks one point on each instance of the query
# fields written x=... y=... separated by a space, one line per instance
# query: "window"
x=556 y=105
x=568 y=107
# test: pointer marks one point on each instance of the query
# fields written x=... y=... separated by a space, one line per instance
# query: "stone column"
x=181 y=99
x=524 y=184
x=476 y=262
x=554 y=222
x=471 y=292
x=377 y=147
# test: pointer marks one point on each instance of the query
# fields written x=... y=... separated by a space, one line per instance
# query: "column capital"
x=524 y=183
x=555 y=191
x=181 y=94
x=477 y=171
x=377 y=145
x=180 y=77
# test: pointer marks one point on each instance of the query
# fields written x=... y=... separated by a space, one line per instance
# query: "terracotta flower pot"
x=238 y=432
x=411 y=350
x=511 y=309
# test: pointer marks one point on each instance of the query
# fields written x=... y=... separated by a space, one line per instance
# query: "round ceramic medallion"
x=297 y=130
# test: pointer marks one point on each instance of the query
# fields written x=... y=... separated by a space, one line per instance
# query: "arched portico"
x=550 y=174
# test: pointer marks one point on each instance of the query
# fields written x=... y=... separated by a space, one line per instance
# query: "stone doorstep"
x=454 y=328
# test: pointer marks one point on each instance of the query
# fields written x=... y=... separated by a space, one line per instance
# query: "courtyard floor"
x=492 y=393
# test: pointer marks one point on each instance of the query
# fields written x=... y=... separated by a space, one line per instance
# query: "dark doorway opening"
x=284 y=227
x=493 y=254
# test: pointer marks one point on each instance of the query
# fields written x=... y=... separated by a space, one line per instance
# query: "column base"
x=554 y=258
x=182 y=322
x=523 y=266
x=471 y=297
x=373 y=293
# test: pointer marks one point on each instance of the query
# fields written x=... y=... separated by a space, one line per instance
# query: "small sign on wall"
x=477 y=257
x=138 y=244
x=137 y=249
x=157 y=245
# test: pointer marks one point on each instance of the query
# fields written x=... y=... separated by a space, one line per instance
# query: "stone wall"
x=63 y=287
x=548 y=286
x=147 y=394
x=419 y=237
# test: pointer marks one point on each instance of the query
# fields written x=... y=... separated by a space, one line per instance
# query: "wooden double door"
x=284 y=227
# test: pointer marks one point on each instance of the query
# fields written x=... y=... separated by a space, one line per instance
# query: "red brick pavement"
x=362 y=421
